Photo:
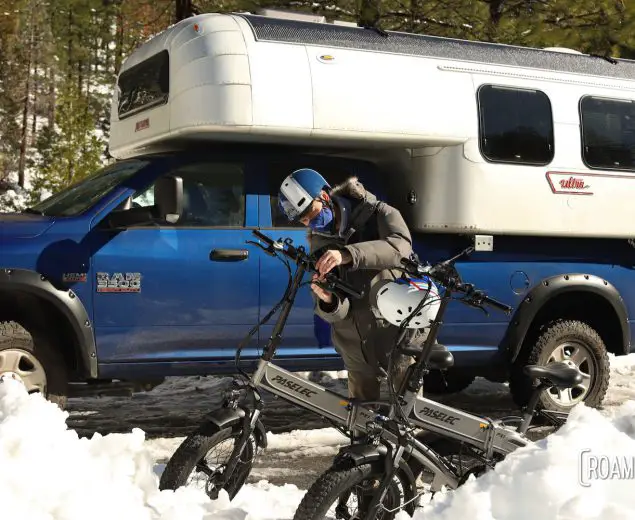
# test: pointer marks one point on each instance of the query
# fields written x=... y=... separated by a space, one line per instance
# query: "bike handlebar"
x=439 y=273
x=332 y=281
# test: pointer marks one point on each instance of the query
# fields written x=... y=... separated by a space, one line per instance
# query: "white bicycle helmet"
x=298 y=191
x=396 y=299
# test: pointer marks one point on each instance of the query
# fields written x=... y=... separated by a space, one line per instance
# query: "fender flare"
x=230 y=418
x=66 y=301
x=555 y=286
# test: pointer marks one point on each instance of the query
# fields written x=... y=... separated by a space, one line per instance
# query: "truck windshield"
x=77 y=198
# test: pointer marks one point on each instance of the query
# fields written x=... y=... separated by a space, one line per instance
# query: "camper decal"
x=142 y=125
x=118 y=282
x=568 y=183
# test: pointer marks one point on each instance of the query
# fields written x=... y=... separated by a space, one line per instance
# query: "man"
x=362 y=238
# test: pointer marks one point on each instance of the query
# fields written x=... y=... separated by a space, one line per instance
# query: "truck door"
x=185 y=293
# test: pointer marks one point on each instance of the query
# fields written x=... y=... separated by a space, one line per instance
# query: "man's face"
x=314 y=210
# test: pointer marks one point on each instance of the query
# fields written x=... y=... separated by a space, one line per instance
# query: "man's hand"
x=331 y=259
x=323 y=295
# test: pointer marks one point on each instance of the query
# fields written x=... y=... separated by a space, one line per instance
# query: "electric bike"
x=238 y=419
x=380 y=473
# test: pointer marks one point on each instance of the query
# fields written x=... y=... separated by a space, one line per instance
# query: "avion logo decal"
x=569 y=183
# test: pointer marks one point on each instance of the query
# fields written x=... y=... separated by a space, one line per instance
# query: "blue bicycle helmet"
x=299 y=190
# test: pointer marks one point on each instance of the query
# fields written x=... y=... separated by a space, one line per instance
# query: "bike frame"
x=493 y=437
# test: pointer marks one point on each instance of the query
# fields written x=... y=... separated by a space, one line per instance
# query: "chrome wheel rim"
x=576 y=355
x=27 y=368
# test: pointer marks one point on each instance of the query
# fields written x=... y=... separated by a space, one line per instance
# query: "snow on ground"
x=548 y=481
x=50 y=473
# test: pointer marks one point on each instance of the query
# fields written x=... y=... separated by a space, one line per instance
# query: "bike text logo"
x=302 y=390
x=438 y=415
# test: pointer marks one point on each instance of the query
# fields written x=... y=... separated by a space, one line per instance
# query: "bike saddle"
x=558 y=373
x=440 y=357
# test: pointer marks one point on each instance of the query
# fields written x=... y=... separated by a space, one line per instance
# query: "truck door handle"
x=235 y=255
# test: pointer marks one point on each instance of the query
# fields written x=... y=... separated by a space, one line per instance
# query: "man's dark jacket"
x=360 y=336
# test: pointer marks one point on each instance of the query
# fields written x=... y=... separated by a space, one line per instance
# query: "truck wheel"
x=571 y=341
x=447 y=382
x=34 y=359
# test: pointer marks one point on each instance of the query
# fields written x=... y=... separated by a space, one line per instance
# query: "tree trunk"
x=120 y=38
x=184 y=9
x=36 y=85
x=25 y=108
x=51 y=98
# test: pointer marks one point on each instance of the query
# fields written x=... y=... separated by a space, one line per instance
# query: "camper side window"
x=515 y=125
x=608 y=133
x=213 y=195
x=145 y=85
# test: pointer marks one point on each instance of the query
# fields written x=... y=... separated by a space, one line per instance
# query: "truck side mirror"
x=168 y=198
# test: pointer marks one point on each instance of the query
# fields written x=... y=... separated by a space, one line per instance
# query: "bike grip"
x=498 y=305
x=349 y=289
x=409 y=264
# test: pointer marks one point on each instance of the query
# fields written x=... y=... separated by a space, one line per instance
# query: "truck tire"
x=35 y=360
x=571 y=341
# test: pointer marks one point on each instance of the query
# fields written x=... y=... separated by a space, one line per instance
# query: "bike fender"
x=225 y=417
x=358 y=454
x=261 y=434
x=229 y=417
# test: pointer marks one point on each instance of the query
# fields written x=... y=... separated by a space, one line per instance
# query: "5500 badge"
x=119 y=282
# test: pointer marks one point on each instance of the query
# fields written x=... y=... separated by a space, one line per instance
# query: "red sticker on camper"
x=569 y=183
x=142 y=125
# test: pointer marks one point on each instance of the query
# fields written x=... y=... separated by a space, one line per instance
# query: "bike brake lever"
x=472 y=303
x=267 y=250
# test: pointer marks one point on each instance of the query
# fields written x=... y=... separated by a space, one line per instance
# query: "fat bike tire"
x=192 y=455
x=326 y=491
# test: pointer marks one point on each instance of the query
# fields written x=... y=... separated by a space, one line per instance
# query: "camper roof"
x=258 y=78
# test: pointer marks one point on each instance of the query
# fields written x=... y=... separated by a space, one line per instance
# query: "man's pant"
x=366 y=385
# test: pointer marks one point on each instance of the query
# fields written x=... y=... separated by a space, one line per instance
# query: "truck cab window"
x=213 y=195
x=82 y=195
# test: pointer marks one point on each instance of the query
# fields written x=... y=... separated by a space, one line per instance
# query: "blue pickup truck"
x=108 y=287
x=100 y=292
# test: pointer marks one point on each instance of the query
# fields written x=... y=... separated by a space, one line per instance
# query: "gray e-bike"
x=388 y=453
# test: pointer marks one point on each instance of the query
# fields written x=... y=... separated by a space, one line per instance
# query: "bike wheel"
x=193 y=457
x=338 y=484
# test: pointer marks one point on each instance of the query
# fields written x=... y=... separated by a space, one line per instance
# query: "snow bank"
x=49 y=473
x=555 y=477
x=585 y=470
